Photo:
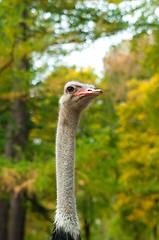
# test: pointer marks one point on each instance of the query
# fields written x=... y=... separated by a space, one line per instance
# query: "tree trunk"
x=16 y=217
x=4 y=206
x=155 y=232
x=87 y=230
x=17 y=130
x=16 y=143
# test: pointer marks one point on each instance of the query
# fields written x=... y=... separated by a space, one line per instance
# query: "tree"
x=124 y=62
x=137 y=202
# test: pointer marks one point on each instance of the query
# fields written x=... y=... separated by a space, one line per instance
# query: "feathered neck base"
x=60 y=234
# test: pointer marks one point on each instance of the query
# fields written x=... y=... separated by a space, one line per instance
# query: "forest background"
x=117 y=156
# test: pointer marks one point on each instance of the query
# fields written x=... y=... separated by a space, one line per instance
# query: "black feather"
x=60 y=234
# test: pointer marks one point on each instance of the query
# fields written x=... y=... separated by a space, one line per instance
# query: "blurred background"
x=113 y=44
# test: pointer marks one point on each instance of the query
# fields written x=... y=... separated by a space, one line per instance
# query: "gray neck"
x=66 y=215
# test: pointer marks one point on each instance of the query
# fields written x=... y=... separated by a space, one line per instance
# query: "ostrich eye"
x=70 y=89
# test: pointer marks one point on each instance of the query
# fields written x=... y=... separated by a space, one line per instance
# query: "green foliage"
x=138 y=200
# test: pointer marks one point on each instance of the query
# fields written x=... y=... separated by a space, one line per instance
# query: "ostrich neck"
x=66 y=215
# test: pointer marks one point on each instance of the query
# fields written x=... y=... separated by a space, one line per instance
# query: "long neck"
x=66 y=215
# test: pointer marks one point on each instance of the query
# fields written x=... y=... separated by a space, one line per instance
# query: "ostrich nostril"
x=89 y=90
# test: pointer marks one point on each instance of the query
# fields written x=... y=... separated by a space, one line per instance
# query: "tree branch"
x=10 y=61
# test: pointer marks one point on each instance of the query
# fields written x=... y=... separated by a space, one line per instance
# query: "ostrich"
x=75 y=99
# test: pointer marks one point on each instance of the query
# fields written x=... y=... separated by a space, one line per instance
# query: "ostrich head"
x=77 y=96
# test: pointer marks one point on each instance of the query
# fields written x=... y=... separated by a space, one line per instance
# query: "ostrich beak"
x=89 y=91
